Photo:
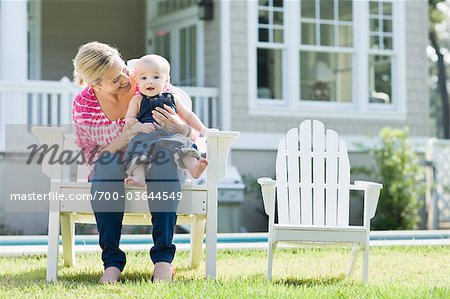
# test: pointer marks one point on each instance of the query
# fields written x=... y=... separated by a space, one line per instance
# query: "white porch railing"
x=46 y=103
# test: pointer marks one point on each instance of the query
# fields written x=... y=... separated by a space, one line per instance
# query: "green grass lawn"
x=394 y=272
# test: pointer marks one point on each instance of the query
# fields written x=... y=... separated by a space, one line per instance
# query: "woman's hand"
x=143 y=128
x=129 y=131
x=167 y=118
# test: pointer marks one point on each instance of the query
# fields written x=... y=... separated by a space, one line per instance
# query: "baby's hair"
x=153 y=60
x=92 y=61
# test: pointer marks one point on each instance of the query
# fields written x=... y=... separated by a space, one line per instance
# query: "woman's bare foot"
x=199 y=168
x=111 y=275
x=163 y=272
x=135 y=181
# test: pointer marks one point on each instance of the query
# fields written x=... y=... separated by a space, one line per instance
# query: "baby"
x=152 y=73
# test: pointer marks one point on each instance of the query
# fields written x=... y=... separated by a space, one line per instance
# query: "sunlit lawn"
x=395 y=272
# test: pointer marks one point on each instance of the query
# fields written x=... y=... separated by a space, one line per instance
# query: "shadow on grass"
x=311 y=282
x=37 y=277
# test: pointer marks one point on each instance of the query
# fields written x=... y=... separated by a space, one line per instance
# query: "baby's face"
x=151 y=79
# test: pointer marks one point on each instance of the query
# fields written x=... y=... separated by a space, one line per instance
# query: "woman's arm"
x=123 y=139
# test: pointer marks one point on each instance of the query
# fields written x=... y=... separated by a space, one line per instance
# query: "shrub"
x=399 y=170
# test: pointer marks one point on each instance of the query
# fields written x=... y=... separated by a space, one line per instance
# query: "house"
x=267 y=64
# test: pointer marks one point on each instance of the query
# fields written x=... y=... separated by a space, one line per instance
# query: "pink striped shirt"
x=93 y=129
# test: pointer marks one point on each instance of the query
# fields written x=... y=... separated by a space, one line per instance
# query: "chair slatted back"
x=313 y=177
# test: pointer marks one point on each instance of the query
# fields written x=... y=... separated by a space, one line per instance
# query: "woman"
x=98 y=113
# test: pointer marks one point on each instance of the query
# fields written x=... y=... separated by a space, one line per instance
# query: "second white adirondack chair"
x=312 y=189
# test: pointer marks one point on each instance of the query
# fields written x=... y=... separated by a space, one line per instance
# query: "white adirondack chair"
x=312 y=194
x=200 y=209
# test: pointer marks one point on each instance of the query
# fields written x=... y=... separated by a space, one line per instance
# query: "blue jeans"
x=107 y=179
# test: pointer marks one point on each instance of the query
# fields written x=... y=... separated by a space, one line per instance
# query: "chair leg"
x=352 y=260
x=211 y=245
x=68 y=239
x=272 y=248
x=197 y=233
x=365 y=276
x=53 y=246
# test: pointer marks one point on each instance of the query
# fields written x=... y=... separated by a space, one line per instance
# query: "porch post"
x=13 y=40
x=13 y=61
x=225 y=65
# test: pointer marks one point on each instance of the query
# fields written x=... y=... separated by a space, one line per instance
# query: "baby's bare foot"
x=135 y=181
x=199 y=168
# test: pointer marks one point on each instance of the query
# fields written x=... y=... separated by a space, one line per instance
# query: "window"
x=176 y=33
x=188 y=56
x=380 y=62
x=311 y=54
x=178 y=43
x=326 y=75
x=269 y=54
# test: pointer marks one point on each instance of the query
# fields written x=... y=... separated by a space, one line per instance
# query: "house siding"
x=416 y=78
x=68 y=24
x=212 y=49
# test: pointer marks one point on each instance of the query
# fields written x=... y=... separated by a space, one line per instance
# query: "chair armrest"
x=267 y=182
x=371 y=197
x=49 y=137
x=268 y=193
x=48 y=130
x=218 y=145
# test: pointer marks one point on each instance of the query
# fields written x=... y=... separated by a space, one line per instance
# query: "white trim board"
x=256 y=141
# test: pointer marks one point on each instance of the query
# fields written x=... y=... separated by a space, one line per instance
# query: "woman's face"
x=116 y=80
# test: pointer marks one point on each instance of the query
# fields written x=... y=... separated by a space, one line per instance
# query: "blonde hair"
x=153 y=60
x=92 y=61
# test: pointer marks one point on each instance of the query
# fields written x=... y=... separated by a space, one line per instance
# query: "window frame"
x=360 y=108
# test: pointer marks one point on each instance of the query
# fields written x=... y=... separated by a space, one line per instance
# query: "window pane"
x=387 y=25
x=263 y=35
x=345 y=10
x=264 y=2
x=278 y=3
x=263 y=17
x=373 y=7
x=162 y=44
x=374 y=25
x=326 y=10
x=270 y=73
x=277 y=18
x=387 y=42
x=345 y=36
x=326 y=35
x=374 y=42
x=188 y=56
x=326 y=76
x=380 y=79
x=308 y=33
x=387 y=9
x=193 y=57
x=308 y=9
x=183 y=55
x=278 y=36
